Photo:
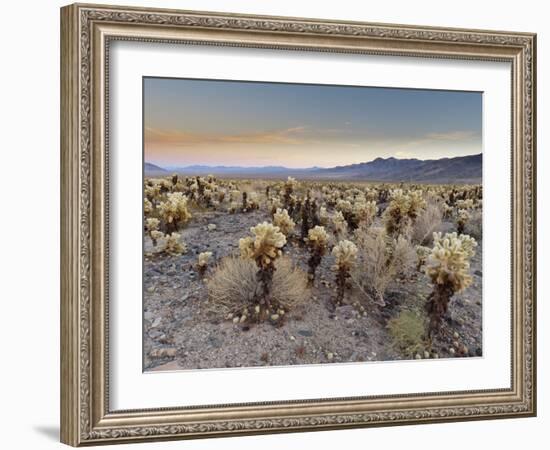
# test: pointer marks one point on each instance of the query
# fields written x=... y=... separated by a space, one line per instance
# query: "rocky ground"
x=177 y=336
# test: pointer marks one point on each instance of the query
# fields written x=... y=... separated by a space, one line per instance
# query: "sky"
x=239 y=123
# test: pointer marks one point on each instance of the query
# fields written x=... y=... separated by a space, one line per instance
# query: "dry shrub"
x=381 y=260
x=234 y=284
x=428 y=221
x=474 y=227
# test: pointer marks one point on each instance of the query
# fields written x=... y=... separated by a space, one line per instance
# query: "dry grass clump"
x=381 y=259
x=448 y=267
x=233 y=287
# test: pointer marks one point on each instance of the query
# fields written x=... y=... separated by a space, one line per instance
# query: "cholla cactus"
x=202 y=262
x=447 y=210
x=448 y=266
x=174 y=210
x=345 y=253
x=152 y=225
x=147 y=206
x=364 y=212
x=264 y=248
x=173 y=245
x=317 y=241
x=282 y=220
x=156 y=236
x=289 y=188
x=339 y=224
x=402 y=210
x=462 y=219
x=323 y=216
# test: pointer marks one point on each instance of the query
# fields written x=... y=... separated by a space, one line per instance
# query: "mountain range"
x=461 y=169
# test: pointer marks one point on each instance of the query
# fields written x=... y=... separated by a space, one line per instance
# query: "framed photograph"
x=275 y=224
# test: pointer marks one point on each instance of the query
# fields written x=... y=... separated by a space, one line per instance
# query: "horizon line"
x=165 y=167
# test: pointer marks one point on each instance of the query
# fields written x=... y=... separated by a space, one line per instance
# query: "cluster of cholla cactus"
x=202 y=262
x=285 y=223
x=264 y=248
x=345 y=255
x=403 y=210
x=317 y=242
x=448 y=267
x=173 y=245
x=174 y=211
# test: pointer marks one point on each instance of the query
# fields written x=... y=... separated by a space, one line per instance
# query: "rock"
x=236 y=320
x=164 y=352
x=347 y=311
x=452 y=351
x=156 y=322
x=274 y=317
x=306 y=333
x=151 y=289
x=455 y=335
x=330 y=356
x=148 y=315
x=212 y=226
x=478 y=273
x=456 y=344
x=426 y=354
x=292 y=338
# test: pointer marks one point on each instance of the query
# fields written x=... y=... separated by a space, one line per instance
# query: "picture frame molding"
x=86 y=34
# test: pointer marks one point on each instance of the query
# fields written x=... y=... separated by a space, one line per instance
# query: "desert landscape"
x=289 y=224
x=251 y=272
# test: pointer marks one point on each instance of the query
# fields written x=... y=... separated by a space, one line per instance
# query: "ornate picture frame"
x=87 y=32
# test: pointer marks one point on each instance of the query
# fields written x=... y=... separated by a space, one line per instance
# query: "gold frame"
x=86 y=31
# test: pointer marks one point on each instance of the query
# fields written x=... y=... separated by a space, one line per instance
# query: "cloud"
x=290 y=136
x=457 y=135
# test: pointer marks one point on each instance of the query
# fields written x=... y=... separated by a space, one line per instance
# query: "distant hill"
x=462 y=169
x=154 y=170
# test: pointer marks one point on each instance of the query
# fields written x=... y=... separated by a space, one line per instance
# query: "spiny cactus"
x=402 y=210
x=364 y=213
x=339 y=224
x=174 y=210
x=317 y=241
x=152 y=225
x=289 y=188
x=173 y=245
x=202 y=262
x=264 y=248
x=448 y=267
x=345 y=254
x=282 y=220
x=463 y=217
x=147 y=206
